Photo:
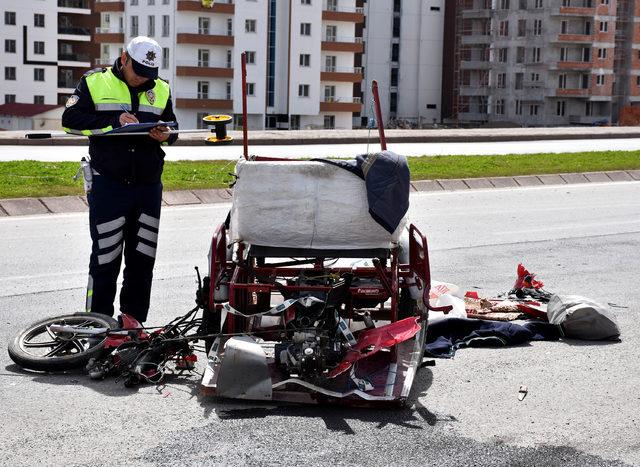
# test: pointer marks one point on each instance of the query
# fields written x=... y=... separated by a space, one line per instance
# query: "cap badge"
x=151 y=55
x=151 y=96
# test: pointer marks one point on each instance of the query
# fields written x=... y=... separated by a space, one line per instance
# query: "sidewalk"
x=297 y=137
x=62 y=204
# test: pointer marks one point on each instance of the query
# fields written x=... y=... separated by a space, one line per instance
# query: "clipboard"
x=139 y=127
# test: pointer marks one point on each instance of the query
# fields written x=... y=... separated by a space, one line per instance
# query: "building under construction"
x=543 y=62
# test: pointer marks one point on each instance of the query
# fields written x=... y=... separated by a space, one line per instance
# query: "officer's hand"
x=127 y=118
x=159 y=133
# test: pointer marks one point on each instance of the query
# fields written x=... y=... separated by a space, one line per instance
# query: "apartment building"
x=544 y=62
x=300 y=56
x=47 y=48
x=404 y=47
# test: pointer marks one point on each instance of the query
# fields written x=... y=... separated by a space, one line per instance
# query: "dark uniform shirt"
x=128 y=159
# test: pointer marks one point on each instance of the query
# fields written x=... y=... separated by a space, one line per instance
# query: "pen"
x=125 y=109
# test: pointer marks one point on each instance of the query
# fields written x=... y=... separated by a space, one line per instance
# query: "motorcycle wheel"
x=36 y=347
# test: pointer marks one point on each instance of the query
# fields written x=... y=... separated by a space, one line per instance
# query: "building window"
x=586 y=54
x=587 y=28
x=604 y=26
x=294 y=122
x=502 y=80
x=538 y=4
x=250 y=25
x=229 y=27
x=330 y=63
x=329 y=122
x=533 y=109
x=251 y=57
x=522 y=4
x=203 y=58
x=393 y=102
x=200 y=124
x=10 y=73
x=503 y=53
x=165 y=2
x=166 y=22
x=305 y=2
x=329 y=93
x=520 y=54
x=165 y=58
x=203 y=89
x=38 y=20
x=564 y=53
x=504 y=4
x=588 y=109
x=584 y=81
x=536 y=55
x=518 y=107
x=562 y=81
x=560 y=108
x=499 y=106
x=10 y=18
x=38 y=99
x=38 y=47
x=564 y=27
x=38 y=74
x=227 y=90
x=602 y=54
x=504 y=28
x=305 y=60
x=396 y=26
x=10 y=46
x=134 y=25
x=9 y=98
x=600 y=80
x=251 y=89
x=522 y=27
x=537 y=27
x=151 y=26
x=203 y=25
x=604 y=2
x=395 y=52
x=134 y=2
x=303 y=90
x=394 y=77
x=305 y=29
x=229 y=56
x=519 y=81
x=151 y=2
x=637 y=80
x=330 y=33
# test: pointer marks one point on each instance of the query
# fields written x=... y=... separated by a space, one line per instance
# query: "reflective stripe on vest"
x=109 y=93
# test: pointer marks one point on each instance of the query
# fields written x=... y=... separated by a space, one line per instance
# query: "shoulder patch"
x=95 y=70
x=73 y=99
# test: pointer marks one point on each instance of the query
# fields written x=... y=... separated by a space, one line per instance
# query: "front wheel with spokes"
x=43 y=348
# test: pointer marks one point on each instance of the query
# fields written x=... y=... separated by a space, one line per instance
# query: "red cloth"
x=376 y=339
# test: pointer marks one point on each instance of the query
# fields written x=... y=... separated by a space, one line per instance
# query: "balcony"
x=477 y=90
x=109 y=35
x=204 y=36
x=476 y=38
x=350 y=15
x=574 y=65
x=219 y=6
x=203 y=69
x=204 y=101
x=343 y=75
x=575 y=38
x=71 y=60
x=476 y=64
x=574 y=11
x=341 y=104
x=342 y=44
x=108 y=6
x=71 y=33
x=477 y=13
x=572 y=92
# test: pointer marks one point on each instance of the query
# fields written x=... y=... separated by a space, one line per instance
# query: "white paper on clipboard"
x=139 y=127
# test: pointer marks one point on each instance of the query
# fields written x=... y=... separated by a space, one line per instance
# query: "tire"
x=30 y=353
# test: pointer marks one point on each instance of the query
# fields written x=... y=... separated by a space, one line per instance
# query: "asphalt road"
x=174 y=153
x=583 y=405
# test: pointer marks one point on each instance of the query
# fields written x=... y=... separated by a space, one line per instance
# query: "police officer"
x=126 y=191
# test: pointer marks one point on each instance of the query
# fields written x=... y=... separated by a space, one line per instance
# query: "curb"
x=64 y=204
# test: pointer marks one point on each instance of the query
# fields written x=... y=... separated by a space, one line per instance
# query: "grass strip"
x=35 y=179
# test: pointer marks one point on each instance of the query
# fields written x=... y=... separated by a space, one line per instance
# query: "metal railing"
x=109 y=31
x=342 y=100
x=350 y=39
x=333 y=7
x=335 y=69
x=205 y=31
x=84 y=4
x=74 y=57
x=75 y=30
x=200 y=64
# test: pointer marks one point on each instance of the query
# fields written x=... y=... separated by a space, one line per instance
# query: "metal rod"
x=245 y=142
x=376 y=102
x=55 y=135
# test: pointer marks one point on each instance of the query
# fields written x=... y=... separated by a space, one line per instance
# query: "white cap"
x=146 y=55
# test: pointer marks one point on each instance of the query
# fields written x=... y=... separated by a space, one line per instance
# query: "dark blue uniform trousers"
x=122 y=218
